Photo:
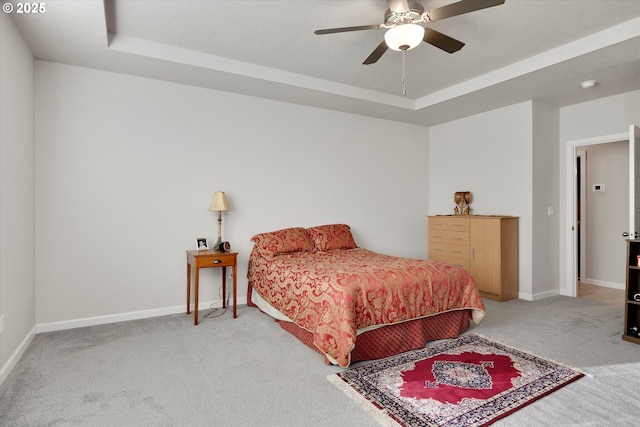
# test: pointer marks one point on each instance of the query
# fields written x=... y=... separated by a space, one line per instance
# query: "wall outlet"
x=1 y=323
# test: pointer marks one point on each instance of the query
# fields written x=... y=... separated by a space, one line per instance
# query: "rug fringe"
x=381 y=416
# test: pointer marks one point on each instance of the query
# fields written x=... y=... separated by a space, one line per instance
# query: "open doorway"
x=581 y=212
x=601 y=208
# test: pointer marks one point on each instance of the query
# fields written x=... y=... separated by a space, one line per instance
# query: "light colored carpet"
x=249 y=372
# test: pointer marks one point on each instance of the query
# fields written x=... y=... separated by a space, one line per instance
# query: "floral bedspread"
x=333 y=294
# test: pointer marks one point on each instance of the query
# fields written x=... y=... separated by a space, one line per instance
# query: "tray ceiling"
x=521 y=50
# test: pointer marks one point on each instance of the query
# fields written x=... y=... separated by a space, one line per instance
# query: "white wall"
x=489 y=154
x=17 y=238
x=545 y=195
x=587 y=121
x=126 y=168
x=605 y=116
x=607 y=213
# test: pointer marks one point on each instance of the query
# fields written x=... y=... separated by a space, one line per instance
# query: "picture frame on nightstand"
x=201 y=244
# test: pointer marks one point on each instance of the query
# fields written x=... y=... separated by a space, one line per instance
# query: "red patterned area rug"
x=467 y=381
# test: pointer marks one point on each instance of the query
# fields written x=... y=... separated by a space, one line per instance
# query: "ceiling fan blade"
x=398 y=6
x=442 y=41
x=461 y=7
x=376 y=54
x=346 y=29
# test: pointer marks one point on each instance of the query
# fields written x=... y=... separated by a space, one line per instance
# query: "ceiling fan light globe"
x=404 y=37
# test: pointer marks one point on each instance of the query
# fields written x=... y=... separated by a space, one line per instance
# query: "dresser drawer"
x=451 y=223
x=459 y=262
x=460 y=238
x=449 y=250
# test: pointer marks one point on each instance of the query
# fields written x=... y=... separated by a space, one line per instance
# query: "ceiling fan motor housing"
x=415 y=12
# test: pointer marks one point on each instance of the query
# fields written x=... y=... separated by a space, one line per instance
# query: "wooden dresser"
x=485 y=246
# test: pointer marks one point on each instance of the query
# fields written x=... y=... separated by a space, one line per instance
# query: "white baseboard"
x=123 y=317
x=97 y=320
x=603 y=283
x=525 y=296
x=538 y=296
x=13 y=360
x=546 y=294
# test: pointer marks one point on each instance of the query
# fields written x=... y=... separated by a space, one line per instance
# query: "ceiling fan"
x=402 y=21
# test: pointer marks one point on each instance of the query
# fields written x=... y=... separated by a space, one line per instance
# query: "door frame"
x=569 y=286
x=582 y=271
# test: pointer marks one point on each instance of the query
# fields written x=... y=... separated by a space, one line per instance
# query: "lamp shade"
x=219 y=202
x=404 y=37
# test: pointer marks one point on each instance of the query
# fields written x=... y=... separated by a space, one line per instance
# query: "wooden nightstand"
x=210 y=259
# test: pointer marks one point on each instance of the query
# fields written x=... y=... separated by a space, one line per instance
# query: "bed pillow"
x=332 y=236
x=288 y=240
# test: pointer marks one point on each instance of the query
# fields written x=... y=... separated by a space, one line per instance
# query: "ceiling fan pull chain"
x=404 y=85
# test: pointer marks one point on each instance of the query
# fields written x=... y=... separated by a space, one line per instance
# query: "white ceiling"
x=521 y=50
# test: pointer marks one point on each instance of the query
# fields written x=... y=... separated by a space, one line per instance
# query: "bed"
x=349 y=303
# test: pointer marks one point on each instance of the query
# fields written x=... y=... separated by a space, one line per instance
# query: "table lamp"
x=219 y=204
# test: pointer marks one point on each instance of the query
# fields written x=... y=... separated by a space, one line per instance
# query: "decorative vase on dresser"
x=485 y=246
